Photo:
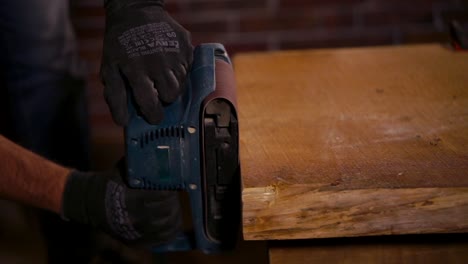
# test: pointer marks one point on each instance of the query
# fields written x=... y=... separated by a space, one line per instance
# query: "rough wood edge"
x=304 y=211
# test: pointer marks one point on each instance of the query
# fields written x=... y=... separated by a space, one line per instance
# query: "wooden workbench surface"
x=353 y=142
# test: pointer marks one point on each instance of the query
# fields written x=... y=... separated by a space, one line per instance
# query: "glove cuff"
x=79 y=189
x=112 y=6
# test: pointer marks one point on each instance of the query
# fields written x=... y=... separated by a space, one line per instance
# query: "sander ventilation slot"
x=153 y=135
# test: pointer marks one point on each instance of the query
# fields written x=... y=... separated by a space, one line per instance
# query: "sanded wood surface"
x=351 y=142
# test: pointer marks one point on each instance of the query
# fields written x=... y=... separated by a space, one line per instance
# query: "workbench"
x=355 y=142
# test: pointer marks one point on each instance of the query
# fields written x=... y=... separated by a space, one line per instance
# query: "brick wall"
x=248 y=25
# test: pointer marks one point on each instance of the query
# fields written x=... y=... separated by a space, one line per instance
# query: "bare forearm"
x=28 y=178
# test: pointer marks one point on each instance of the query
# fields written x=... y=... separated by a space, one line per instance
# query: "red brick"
x=89 y=22
x=315 y=3
x=207 y=38
x=278 y=22
x=89 y=55
x=336 y=41
x=336 y=20
x=427 y=37
x=385 y=18
x=86 y=3
x=460 y=15
x=206 y=27
x=234 y=48
x=397 y=5
x=98 y=10
x=89 y=33
x=87 y=11
x=398 y=15
x=225 y=5
x=305 y=19
x=172 y=7
x=101 y=120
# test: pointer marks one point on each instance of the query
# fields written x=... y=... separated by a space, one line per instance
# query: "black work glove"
x=147 y=51
x=103 y=200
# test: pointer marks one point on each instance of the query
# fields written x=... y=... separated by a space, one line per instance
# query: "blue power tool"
x=194 y=149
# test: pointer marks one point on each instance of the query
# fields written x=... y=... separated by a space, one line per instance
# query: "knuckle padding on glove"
x=146 y=97
x=117 y=214
x=169 y=80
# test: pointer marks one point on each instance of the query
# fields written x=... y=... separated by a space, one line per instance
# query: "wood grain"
x=301 y=211
x=327 y=132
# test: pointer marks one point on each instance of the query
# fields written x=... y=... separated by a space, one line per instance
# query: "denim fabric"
x=48 y=115
x=42 y=103
x=42 y=86
x=38 y=33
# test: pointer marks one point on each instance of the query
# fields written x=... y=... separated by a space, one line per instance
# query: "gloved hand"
x=147 y=51
x=133 y=216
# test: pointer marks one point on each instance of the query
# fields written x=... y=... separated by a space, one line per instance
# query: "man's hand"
x=134 y=216
x=146 y=52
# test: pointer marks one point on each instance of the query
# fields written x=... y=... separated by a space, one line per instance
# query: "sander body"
x=194 y=149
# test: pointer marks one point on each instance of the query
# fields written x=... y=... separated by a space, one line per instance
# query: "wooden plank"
x=300 y=211
x=380 y=130
x=402 y=249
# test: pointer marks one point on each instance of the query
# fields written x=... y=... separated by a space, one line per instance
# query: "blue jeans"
x=42 y=85
x=42 y=103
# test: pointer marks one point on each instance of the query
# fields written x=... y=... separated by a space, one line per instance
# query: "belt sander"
x=194 y=149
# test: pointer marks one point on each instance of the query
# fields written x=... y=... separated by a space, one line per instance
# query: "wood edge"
x=305 y=211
